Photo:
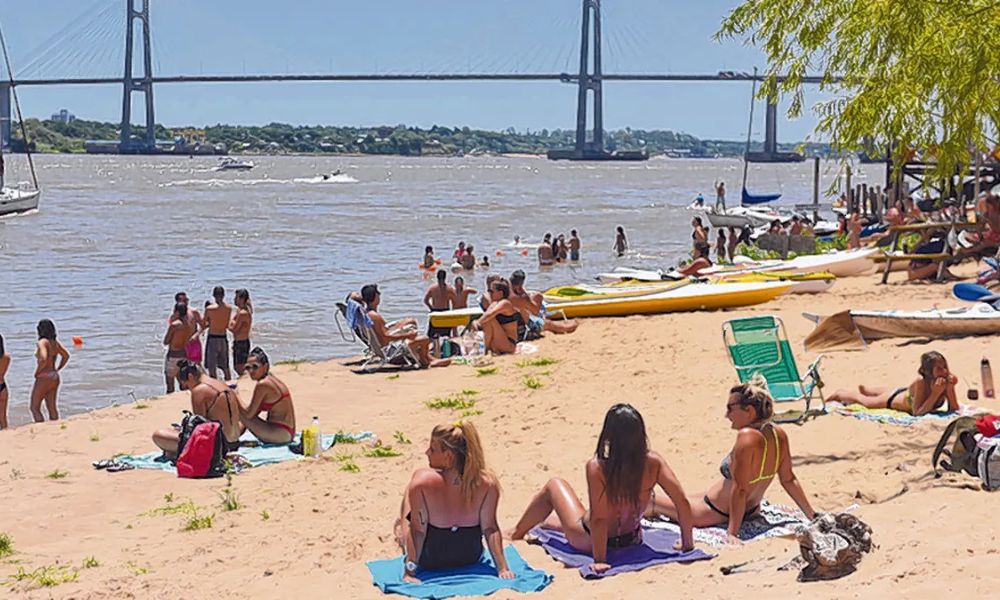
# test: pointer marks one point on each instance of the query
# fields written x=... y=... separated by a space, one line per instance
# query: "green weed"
x=401 y=438
x=168 y=498
x=264 y=515
x=95 y=438
x=47 y=576
x=57 y=474
x=391 y=377
x=347 y=463
x=380 y=451
x=343 y=437
x=140 y=405
x=541 y=361
x=291 y=361
x=459 y=401
x=90 y=563
x=184 y=507
x=6 y=545
x=195 y=521
x=62 y=426
x=532 y=383
x=230 y=500
x=136 y=568
x=484 y=371
x=471 y=413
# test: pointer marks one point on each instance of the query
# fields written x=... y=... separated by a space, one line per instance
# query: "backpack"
x=201 y=449
x=962 y=455
x=989 y=462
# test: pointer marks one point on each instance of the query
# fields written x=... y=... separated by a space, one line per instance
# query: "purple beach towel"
x=657 y=548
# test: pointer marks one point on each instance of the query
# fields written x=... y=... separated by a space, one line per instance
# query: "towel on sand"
x=657 y=548
x=475 y=580
x=773 y=520
x=896 y=417
x=252 y=456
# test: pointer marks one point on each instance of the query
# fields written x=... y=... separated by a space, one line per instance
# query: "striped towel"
x=895 y=417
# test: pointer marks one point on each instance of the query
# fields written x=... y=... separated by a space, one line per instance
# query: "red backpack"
x=202 y=452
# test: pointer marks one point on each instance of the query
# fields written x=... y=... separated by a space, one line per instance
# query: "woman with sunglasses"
x=271 y=396
x=500 y=321
x=760 y=454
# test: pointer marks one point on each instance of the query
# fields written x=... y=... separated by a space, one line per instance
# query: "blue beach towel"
x=657 y=548
x=256 y=456
x=475 y=580
x=357 y=315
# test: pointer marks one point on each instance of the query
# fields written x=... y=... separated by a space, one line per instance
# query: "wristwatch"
x=410 y=566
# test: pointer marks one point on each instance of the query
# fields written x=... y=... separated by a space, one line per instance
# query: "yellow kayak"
x=804 y=283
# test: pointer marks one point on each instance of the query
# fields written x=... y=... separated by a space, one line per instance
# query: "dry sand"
x=933 y=536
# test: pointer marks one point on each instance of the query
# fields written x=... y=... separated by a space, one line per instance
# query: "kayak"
x=839 y=329
x=459 y=317
x=803 y=283
x=691 y=297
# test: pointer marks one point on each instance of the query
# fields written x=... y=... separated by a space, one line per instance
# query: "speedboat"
x=234 y=164
x=17 y=200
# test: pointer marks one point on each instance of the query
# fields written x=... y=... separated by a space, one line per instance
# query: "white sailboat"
x=23 y=197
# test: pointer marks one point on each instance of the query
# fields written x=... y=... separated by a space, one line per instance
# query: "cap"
x=988 y=425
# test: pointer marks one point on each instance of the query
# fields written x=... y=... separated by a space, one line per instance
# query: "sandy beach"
x=308 y=527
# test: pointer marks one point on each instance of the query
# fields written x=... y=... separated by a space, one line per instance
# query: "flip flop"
x=120 y=466
x=103 y=464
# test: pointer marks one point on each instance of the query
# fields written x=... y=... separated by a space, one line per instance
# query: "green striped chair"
x=760 y=345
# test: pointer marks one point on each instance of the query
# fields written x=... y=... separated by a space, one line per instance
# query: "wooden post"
x=815 y=190
x=866 y=204
x=848 y=185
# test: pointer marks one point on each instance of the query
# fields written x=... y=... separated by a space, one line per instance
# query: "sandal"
x=103 y=464
x=120 y=466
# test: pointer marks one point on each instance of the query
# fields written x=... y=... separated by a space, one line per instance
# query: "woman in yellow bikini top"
x=760 y=454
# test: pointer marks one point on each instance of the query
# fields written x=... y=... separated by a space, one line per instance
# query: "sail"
x=749 y=198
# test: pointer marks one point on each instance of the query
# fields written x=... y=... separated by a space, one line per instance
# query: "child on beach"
x=934 y=387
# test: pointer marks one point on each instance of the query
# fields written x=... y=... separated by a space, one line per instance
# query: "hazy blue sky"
x=384 y=36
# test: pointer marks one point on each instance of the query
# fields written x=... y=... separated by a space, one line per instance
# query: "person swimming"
x=621 y=479
x=448 y=508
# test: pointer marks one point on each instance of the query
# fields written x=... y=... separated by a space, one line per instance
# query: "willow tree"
x=907 y=74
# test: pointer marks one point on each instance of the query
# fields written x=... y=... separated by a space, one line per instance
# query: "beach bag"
x=963 y=454
x=989 y=462
x=831 y=546
x=201 y=449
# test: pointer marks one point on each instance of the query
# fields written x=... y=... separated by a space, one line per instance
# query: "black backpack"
x=963 y=455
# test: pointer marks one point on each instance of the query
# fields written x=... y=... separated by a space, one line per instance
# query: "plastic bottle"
x=311 y=444
x=482 y=344
x=317 y=448
x=987 y=376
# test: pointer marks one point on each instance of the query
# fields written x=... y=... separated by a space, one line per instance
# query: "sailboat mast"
x=746 y=152
x=17 y=107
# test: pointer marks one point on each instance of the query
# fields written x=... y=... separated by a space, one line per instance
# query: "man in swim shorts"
x=179 y=331
x=387 y=334
x=439 y=297
x=574 y=246
x=240 y=326
x=217 y=315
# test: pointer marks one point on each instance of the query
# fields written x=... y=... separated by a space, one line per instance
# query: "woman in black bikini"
x=448 y=508
x=211 y=399
x=271 y=396
x=930 y=391
x=500 y=321
x=4 y=365
x=761 y=452
x=621 y=478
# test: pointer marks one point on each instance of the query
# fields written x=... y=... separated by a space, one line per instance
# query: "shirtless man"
x=179 y=333
x=420 y=345
x=240 y=325
x=531 y=306
x=574 y=246
x=439 y=297
x=462 y=294
x=468 y=260
x=211 y=399
x=217 y=315
x=545 y=256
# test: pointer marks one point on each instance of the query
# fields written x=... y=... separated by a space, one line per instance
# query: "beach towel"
x=475 y=580
x=896 y=417
x=657 y=548
x=250 y=456
x=357 y=315
x=773 y=520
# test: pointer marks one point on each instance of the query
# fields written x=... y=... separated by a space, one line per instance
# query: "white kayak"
x=975 y=319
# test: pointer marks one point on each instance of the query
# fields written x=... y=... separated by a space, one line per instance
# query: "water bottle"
x=482 y=343
x=317 y=448
x=986 y=373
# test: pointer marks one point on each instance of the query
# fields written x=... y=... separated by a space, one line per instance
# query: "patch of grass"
x=184 y=507
x=168 y=497
x=347 y=463
x=545 y=373
x=291 y=361
x=264 y=515
x=57 y=474
x=90 y=563
x=230 y=500
x=471 y=413
x=95 y=438
x=532 y=383
x=343 y=437
x=541 y=361
x=136 y=568
x=195 y=521
x=140 y=405
x=401 y=438
x=394 y=376
x=484 y=371
x=6 y=545
x=380 y=451
x=460 y=401
x=62 y=426
x=47 y=576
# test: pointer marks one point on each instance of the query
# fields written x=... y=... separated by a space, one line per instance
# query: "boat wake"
x=219 y=183
x=342 y=178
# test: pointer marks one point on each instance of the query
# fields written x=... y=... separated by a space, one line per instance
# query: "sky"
x=67 y=38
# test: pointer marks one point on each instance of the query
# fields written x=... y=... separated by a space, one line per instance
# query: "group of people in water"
x=451 y=506
x=186 y=326
x=50 y=358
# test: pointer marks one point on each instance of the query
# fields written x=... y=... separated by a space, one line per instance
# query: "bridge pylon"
x=147 y=142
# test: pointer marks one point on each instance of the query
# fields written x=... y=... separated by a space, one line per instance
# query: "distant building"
x=63 y=116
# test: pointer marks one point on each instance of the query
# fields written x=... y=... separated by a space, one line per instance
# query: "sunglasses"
x=253 y=367
x=731 y=406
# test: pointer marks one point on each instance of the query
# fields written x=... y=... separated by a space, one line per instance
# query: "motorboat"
x=234 y=164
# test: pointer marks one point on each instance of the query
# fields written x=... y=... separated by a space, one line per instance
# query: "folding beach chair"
x=760 y=345
x=376 y=357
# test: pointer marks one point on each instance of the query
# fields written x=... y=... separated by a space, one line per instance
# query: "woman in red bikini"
x=270 y=396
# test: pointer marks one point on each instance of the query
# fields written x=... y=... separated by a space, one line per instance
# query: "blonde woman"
x=760 y=454
x=448 y=508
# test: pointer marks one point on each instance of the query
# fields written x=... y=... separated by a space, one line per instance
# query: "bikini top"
x=267 y=406
x=514 y=318
x=726 y=470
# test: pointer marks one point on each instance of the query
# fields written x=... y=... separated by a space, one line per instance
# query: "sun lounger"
x=760 y=345
x=397 y=354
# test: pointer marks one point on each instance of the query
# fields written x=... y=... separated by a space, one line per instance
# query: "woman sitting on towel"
x=760 y=454
x=211 y=399
x=271 y=396
x=929 y=392
x=449 y=508
x=621 y=478
x=500 y=321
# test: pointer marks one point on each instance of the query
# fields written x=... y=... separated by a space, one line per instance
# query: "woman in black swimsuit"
x=500 y=321
x=4 y=365
x=621 y=478
x=211 y=399
x=448 y=508
x=761 y=452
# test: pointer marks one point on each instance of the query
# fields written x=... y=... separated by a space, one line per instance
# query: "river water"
x=117 y=236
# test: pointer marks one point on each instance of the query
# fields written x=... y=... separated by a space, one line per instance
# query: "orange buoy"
x=499 y=252
x=524 y=252
x=77 y=340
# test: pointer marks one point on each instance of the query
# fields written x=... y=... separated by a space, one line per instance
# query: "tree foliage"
x=917 y=74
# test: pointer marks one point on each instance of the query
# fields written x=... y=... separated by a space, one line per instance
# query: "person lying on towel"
x=760 y=454
x=448 y=508
x=928 y=392
x=621 y=478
